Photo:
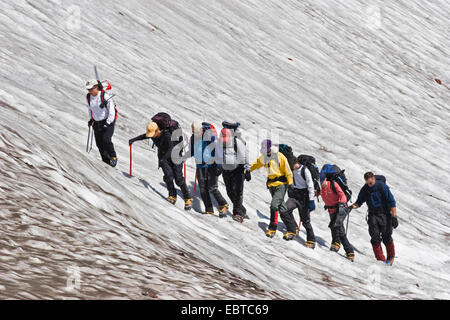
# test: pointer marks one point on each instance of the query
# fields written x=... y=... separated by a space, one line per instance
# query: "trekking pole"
x=87 y=142
x=346 y=229
x=348 y=218
x=195 y=181
x=131 y=159
x=185 y=171
x=92 y=139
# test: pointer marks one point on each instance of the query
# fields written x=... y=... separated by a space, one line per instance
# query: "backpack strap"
x=383 y=198
x=302 y=172
x=102 y=97
x=333 y=187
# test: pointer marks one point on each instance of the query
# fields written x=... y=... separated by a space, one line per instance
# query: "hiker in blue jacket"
x=382 y=215
x=203 y=149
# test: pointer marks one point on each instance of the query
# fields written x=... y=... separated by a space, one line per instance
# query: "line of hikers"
x=227 y=154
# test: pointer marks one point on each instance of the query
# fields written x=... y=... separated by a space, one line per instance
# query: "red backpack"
x=102 y=97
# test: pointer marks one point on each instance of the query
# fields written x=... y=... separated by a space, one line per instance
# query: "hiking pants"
x=234 y=183
x=277 y=204
x=300 y=201
x=380 y=227
x=338 y=233
x=208 y=184
x=174 y=172
x=103 y=141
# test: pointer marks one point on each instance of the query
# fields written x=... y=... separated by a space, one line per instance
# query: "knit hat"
x=266 y=146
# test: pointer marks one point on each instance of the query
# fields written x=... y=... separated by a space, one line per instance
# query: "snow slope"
x=348 y=83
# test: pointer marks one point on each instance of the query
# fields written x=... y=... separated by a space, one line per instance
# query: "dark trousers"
x=208 y=184
x=174 y=172
x=234 y=183
x=380 y=227
x=300 y=201
x=338 y=233
x=103 y=141
x=277 y=204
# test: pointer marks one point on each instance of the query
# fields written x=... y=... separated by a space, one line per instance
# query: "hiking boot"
x=209 y=212
x=223 y=210
x=335 y=246
x=350 y=256
x=310 y=244
x=378 y=251
x=188 y=203
x=238 y=218
x=289 y=236
x=390 y=261
x=113 y=161
x=390 y=253
x=172 y=199
x=270 y=233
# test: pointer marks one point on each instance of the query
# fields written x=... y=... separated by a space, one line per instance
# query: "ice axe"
x=96 y=72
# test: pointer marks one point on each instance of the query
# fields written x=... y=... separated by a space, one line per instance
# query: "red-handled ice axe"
x=131 y=158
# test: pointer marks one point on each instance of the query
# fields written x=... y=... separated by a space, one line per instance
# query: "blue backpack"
x=333 y=173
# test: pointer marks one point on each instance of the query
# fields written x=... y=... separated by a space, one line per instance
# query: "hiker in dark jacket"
x=382 y=215
x=203 y=149
x=173 y=171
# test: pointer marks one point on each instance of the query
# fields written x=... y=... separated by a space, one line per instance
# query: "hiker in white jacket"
x=102 y=116
x=301 y=196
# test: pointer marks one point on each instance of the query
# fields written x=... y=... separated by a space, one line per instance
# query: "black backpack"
x=232 y=126
x=310 y=163
x=381 y=180
x=287 y=152
x=165 y=122
x=334 y=174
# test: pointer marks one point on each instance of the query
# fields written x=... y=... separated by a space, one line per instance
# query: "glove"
x=90 y=122
x=130 y=142
x=248 y=175
x=394 y=222
x=218 y=170
x=291 y=193
x=311 y=205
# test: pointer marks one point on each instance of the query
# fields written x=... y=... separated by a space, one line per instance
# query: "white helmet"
x=91 y=83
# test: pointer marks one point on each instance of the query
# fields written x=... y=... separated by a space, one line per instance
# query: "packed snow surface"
x=349 y=83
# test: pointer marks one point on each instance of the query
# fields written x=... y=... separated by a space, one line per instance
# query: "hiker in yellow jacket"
x=279 y=177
